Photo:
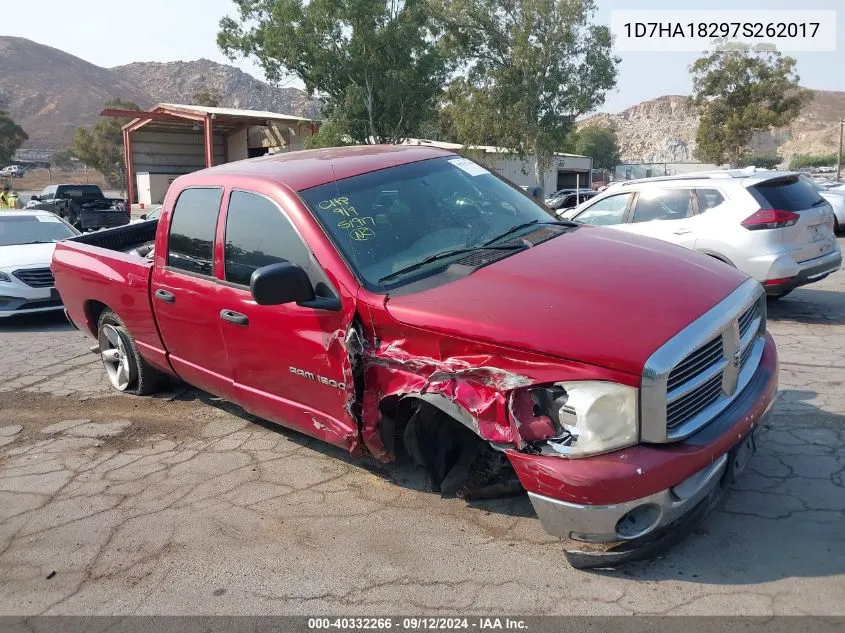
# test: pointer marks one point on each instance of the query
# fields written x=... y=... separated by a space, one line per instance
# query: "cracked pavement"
x=184 y=504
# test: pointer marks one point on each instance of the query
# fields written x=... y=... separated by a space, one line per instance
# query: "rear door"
x=289 y=362
x=185 y=293
x=811 y=236
x=664 y=213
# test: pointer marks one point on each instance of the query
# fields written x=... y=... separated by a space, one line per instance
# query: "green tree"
x=375 y=63
x=532 y=67
x=101 y=145
x=740 y=91
x=209 y=97
x=12 y=137
x=600 y=143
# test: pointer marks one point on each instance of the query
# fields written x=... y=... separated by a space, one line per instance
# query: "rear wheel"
x=126 y=369
x=836 y=228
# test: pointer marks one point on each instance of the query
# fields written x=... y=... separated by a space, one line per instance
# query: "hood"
x=593 y=295
x=26 y=255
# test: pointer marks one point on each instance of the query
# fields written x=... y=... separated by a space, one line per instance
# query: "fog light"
x=638 y=521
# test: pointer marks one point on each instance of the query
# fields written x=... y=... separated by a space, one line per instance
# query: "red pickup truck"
x=406 y=302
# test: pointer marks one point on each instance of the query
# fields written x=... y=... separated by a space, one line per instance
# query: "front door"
x=185 y=293
x=289 y=363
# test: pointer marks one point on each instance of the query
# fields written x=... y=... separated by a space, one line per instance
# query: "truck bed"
x=126 y=239
x=109 y=269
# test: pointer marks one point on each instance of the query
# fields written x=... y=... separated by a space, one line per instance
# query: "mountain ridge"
x=50 y=92
x=663 y=129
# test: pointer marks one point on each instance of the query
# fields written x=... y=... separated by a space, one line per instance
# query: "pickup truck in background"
x=83 y=206
x=406 y=303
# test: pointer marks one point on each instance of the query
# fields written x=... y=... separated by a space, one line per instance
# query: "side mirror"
x=537 y=193
x=143 y=216
x=35 y=198
x=280 y=283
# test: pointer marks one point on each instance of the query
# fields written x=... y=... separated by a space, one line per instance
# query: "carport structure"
x=173 y=139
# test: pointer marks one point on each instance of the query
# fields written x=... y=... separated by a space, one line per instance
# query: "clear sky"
x=165 y=30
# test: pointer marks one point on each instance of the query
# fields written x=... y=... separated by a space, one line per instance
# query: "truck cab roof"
x=310 y=168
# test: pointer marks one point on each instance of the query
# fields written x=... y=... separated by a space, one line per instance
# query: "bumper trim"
x=598 y=524
x=832 y=262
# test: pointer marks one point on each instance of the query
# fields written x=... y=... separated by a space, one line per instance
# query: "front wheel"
x=126 y=369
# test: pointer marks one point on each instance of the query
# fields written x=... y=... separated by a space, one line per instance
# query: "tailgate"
x=812 y=235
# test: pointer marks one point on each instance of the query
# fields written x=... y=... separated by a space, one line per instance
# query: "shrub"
x=767 y=161
x=813 y=160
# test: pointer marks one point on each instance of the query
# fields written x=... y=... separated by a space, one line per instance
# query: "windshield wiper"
x=818 y=202
x=524 y=225
x=449 y=253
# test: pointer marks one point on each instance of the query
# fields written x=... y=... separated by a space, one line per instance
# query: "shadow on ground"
x=809 y=305
x=38 y=322
x=401 y=472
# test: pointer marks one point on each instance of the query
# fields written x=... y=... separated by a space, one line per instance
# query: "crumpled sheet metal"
x=479 y=385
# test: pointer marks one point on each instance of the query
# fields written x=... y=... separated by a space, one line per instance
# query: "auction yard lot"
x=182 y=503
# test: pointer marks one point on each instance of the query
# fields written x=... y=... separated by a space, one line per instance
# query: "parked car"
x=835 y=198
x=771 y=225
x=154 y=213
x=83 y=206
x=404 y=301
x=13 y=171
x=27 y=241
x=570 y=200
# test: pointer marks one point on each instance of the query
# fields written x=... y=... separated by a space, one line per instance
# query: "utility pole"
x=839 y=155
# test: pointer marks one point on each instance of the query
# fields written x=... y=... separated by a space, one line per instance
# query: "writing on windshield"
x=387 y=220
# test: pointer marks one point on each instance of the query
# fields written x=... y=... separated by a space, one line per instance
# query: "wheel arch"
x=715 y=255
x=93 y=311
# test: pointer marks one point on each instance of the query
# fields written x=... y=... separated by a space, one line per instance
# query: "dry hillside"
x=663 y=129
x=50 y=92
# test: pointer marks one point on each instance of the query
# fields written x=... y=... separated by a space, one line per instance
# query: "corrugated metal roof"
x=233 y=112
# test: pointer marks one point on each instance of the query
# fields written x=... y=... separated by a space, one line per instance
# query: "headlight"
x=5 y=277
x=582 y=418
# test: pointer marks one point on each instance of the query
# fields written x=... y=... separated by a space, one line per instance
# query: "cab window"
x=192 y=228
x=259 y=234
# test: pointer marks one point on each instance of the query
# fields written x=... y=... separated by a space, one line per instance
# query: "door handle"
x=165 y=296
x=234 y=317
x=683 y=231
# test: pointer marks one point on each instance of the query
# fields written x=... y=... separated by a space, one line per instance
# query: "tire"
x=126 y=369
x=837 y=230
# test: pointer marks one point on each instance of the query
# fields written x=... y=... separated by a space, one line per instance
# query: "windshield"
x=387 y=220
x=30 y=229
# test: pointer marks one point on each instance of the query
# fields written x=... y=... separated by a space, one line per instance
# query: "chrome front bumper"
x=604 y=524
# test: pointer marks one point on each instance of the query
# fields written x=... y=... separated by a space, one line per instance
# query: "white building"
x=566 y=170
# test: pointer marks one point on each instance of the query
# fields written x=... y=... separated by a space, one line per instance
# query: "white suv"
x=771 y=225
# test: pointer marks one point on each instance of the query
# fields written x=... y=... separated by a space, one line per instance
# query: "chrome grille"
x=36 y=277
x=697 y=373
x=748 y=317
x=689 y=404
x=696 y=363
